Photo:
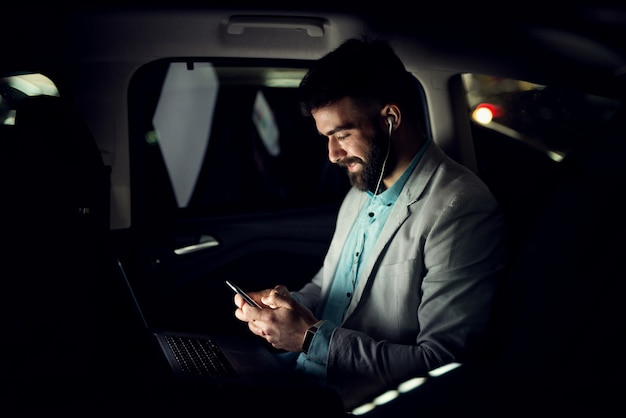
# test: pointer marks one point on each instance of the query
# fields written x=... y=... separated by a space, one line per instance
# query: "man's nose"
x=335 y=151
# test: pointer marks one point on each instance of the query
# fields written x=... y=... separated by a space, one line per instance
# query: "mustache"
x=346 y=161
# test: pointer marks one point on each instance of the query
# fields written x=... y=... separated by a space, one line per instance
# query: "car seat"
x=56 y=222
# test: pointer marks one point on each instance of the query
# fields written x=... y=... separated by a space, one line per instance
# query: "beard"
x=368 y=177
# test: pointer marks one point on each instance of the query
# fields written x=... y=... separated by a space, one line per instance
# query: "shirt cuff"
x=320 y=344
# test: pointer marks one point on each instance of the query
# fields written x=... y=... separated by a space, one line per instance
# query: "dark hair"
x=368 y=71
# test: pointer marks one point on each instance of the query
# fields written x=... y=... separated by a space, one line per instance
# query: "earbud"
x=390 y=121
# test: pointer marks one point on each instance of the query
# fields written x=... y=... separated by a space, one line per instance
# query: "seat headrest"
x=57 y=126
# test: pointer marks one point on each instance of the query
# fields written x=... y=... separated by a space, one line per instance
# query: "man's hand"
x=283 y=325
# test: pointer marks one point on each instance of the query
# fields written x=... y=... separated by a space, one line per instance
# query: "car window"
x=14 y=87
x=552 y=120
x=245 y=147
x=522 y=132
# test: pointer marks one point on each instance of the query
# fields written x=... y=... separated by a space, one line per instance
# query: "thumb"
x=278 y=297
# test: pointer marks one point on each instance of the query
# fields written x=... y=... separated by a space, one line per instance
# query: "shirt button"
x=348 y=294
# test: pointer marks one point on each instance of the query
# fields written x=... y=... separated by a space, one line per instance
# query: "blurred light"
x=265 y=123
x=443 y=369
x=10 y=119
x=152 y=137
x=556 y=156
x=403 y=388
x=485 y=112
x=388 y=396
x=33 y=84
x=280 y=77
x=411 y=384
x=363 y=409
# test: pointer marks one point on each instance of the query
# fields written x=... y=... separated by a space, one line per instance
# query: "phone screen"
x=243 y=294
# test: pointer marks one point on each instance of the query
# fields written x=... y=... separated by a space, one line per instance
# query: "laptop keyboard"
x=200 y=357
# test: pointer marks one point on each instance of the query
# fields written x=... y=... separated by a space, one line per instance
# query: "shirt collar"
x=390 y=195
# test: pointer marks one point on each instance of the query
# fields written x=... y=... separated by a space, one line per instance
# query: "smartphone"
x=243 y=294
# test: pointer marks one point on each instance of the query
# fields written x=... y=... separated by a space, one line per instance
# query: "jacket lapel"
x=413 y=190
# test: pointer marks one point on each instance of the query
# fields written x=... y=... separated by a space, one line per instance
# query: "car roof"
x=581 y=42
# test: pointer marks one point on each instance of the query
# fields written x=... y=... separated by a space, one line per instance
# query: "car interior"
x=150 y=153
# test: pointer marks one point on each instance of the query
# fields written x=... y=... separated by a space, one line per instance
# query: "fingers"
x=263 y=295
x=247 y=313
x=238 y=300
x=281 y=290
x=256 y=329
x=278 y=297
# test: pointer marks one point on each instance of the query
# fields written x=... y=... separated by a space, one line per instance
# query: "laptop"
x=214 y=358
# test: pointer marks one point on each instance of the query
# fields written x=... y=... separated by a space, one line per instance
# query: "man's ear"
x=391 y=116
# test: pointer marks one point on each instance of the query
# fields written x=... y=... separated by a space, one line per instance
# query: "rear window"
x=522 y=132
x=551 y=120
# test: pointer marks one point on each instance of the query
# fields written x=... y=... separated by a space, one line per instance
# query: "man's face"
x=355 y=142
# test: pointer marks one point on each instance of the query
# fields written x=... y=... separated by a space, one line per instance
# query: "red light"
x=485 y=112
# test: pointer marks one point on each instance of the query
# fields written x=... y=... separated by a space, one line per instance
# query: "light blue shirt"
x=363 y=235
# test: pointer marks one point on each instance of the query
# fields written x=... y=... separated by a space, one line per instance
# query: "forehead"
x=341 y=112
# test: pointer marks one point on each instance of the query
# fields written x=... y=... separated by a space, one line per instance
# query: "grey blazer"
x=424 y=296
